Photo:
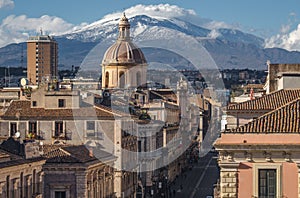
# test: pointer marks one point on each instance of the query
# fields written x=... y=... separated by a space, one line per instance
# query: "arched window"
x=138 y=79
x=121 y=79
x=106 y=79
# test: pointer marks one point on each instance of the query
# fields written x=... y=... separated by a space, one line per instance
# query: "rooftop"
x=74 y=154
x=285 y=119
x=270 y=101
x=24 y=110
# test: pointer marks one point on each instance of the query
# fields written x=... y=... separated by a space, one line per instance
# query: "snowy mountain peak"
x=107 y=27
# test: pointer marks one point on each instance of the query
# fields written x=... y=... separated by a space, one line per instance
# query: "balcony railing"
x=38 y=135
x=62 y=135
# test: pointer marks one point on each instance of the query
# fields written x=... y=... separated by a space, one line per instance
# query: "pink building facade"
x=262 y=158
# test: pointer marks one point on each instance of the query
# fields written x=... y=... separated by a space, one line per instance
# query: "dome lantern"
x=124 y=28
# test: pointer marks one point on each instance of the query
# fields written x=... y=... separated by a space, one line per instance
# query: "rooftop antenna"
x=41 y=31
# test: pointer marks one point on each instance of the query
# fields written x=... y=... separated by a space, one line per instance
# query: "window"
x=32 y=127
x=121 y=79
x=267 y=183
x=139 y=146
x=34 y=103
x=61 y=102
x=138 y=79
x=90 y=125
x=58 y=128
x=267 y=180
x=60 y=194
x=136 y=96
x=13 y=128
x=106 y=80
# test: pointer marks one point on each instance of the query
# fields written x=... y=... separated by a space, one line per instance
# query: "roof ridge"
x=109 y=110
x=266 y=119
x=154 y=92
x=66 y=152
x=268 y=101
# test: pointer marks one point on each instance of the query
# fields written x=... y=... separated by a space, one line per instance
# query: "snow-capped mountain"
x=140 y=24
x=229 y=46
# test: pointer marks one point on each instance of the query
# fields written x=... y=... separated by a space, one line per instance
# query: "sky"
x=275 y=20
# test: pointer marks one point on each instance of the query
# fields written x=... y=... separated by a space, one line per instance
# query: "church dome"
x=123 y=51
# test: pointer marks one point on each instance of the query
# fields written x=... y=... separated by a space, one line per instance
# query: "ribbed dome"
x=123 y=51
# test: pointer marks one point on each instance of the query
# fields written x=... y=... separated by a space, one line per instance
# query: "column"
x=29 y=186
x=92 y=184
x=2 y=189
x=229 y=179
x=118 y=183
x=81 y=184
x=16 y=188
x=41 y=182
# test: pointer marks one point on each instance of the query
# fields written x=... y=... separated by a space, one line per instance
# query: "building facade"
x=21 y=173
x=42 y=59
x=261 y=158
x=74 y=171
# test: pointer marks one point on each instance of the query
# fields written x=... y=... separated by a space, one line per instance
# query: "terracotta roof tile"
x=168 y=95
x=285 y=119
x=26 y=112
x=270 y=101
x=73 y=154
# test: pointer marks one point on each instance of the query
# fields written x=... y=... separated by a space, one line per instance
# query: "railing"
x=94 y=135
x=34 y=135
x=66 y=135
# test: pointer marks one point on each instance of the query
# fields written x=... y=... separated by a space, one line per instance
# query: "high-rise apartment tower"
x=42 y=56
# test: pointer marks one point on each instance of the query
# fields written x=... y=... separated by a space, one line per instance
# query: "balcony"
x=62 y=135
x=34 y=135
x=91 y=135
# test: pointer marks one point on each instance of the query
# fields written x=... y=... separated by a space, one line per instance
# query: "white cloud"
x=289 y=41
x=219 y=24
x=162 y=11
x=15 y=29
x=156 y=11
x=6 y=4
x=214 y=34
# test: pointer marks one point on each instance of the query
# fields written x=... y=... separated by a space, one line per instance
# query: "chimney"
x=91 y=152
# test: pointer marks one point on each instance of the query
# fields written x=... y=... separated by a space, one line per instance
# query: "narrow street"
x=199 y=181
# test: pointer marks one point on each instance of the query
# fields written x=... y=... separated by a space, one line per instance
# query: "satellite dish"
x=24 y=82
x=17 y=134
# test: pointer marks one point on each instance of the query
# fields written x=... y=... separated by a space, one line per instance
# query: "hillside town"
x=135 y=132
